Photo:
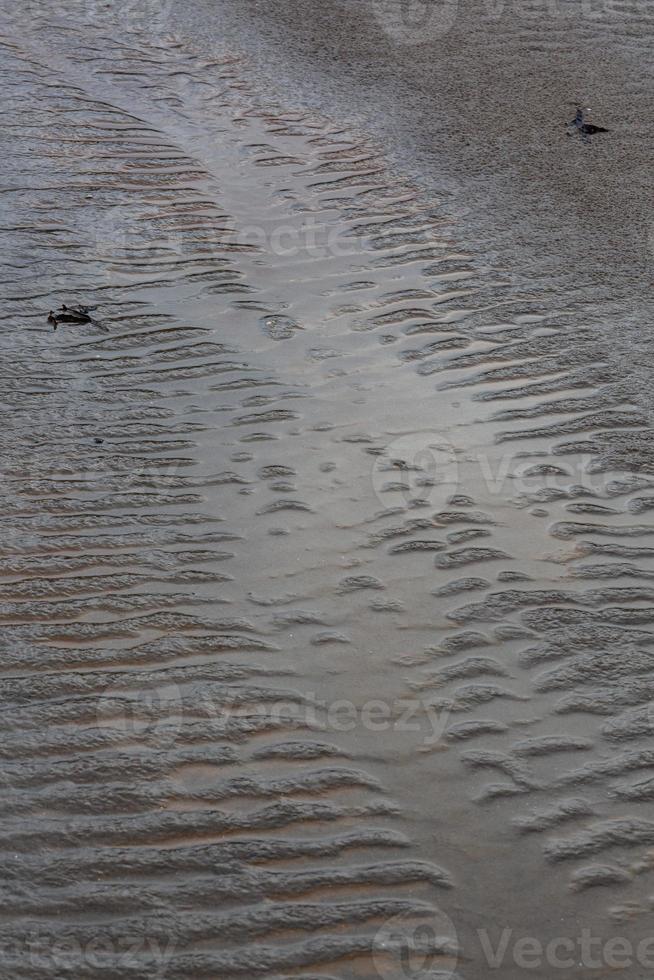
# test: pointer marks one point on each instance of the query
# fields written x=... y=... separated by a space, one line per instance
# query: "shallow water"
x=326 y=565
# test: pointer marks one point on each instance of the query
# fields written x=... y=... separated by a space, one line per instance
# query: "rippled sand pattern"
x=218 y=500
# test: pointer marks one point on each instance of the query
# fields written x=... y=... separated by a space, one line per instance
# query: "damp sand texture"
x=326 y=592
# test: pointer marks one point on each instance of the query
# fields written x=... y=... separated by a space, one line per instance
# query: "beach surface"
x=326 y=566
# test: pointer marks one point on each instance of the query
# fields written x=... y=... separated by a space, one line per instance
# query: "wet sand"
x=471 y=101
x=326 y=560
